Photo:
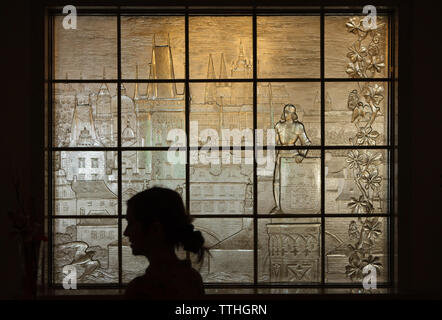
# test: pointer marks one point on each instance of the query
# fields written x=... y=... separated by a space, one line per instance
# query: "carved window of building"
x=81 y=163
x=311 y=91
x=94 y=163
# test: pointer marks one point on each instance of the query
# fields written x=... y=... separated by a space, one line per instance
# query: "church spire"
x=136 y=93
x=241 y=50
x=104 y=90
x=210 y=69
x=222 y=68
x=210 y=90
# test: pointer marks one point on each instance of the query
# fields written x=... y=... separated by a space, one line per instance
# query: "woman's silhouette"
x=157 y=224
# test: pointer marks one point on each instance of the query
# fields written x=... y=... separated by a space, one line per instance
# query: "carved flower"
x=357 y=52
x=373 y=50
x=373 y=94
x=354 y=159
x=354 y=269
x=371 y=179
x=354 y=70
x=355 y=26
x=353 y=231
x=373 y=261
x=359 y=205
x=372 y=228
x=372 y=159
x=375 y=64
x=366 y=135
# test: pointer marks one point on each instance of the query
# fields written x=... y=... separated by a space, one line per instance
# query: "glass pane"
x=152 y=114
x=88 y=52
x=88 y=246
x=85 y=183
x=288 y=47
x=85 y=115
x=220 y=41
x=356 y=181
x=229 y=240
x=145 y=169
x=356 y=113
x=221 y=114
x=306 y=99
x=225 y=187
x=353 y=243
x=353 y=50
x=154 y=45
x=289 y=250
x=294 y=184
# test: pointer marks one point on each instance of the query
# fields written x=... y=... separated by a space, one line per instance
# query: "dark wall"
x=421 y=229
x=419 y=140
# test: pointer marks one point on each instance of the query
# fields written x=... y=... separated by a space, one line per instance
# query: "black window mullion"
x=50 y=143
x=187 y=109
x=255 y=182
x=391 y=142
x=322 y=57
x=120 y=203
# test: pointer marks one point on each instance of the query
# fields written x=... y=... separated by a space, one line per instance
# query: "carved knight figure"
x=289 y=130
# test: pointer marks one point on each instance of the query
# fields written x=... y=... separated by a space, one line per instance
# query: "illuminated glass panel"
x=85 y=245
x=354 y=243
x=224 y=42
x=87 y=52
x=328 y=154
x=288 y=46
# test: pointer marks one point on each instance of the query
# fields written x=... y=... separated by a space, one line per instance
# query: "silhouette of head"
x=157 y=219
x=289 y=112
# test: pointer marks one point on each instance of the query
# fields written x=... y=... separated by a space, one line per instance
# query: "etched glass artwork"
x=289 y=250
x=315 y=208
x=228 y=240
x=353 y=243
x=84 y=52
x=290 y=45
x=86 y=244
x=226 y=41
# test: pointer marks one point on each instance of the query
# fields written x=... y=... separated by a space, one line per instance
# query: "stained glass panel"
x=289 y=250
x=353 y=243
x=87 y=52
x=354 y=48
x=356 y=113
x=356 y=181
x=229 y=240
x=224 y=43
x=288 y=47
x=86 y=245
x=152 y=47
x=152 y=114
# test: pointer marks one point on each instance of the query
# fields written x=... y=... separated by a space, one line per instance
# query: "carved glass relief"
x=285 y=190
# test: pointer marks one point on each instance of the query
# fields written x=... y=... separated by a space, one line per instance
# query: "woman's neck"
x=163 y=257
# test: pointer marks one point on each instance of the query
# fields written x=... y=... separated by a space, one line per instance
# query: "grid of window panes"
x=308 y=214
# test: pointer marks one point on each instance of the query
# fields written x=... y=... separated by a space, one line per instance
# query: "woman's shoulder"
x=135 y=287
x=172 y=281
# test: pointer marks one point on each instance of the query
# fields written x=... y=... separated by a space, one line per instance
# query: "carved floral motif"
x=365 y=62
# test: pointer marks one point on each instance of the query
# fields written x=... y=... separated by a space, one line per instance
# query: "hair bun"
x=192 y=240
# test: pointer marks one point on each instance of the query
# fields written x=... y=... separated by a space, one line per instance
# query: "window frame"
x=253 y=12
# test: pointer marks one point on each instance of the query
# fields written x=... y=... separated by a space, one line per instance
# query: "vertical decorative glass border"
x=256 y=286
